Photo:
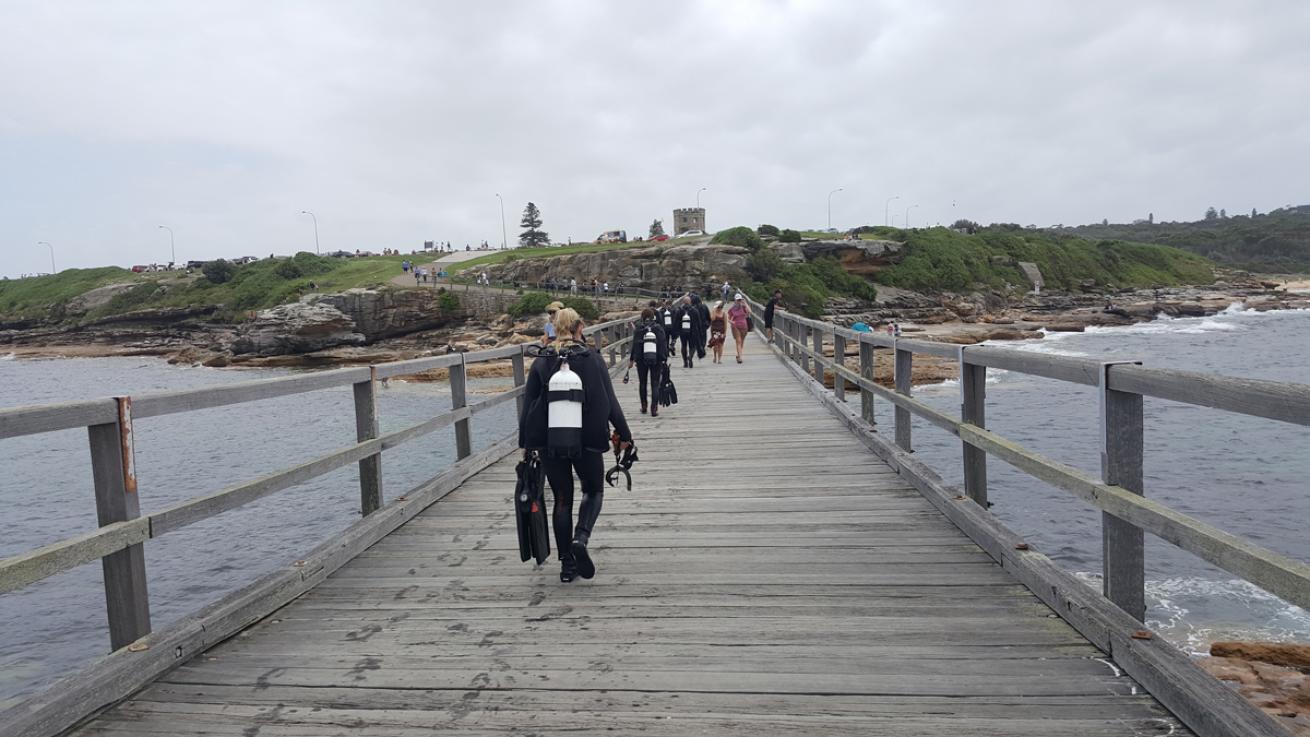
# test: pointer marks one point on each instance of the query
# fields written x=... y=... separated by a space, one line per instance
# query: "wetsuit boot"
x=588 y=511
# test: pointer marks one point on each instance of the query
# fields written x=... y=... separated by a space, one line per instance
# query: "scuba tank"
x=650 y=345
x=686 y=319
x=564 y=412
x=668 y=317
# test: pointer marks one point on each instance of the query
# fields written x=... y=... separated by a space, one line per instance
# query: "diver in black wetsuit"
x=668 y=319
x=689 y=325
x=568 y=406
x=649 y=354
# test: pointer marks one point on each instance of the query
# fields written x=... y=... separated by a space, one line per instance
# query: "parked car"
x=612 y=236
x=687 y=233
x=342 y=254
x=660 y=237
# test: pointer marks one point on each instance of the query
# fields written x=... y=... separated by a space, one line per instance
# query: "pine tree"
x=1223 y=213
x=656 y=228
x=533 y=236
x=1252 y=213
x=1150 y=218
x=1211 y=213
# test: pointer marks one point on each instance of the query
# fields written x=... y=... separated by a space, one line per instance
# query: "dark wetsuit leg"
x=559 y=472
x=643 y=372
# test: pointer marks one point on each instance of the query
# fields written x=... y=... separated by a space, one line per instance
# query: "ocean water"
x=46 y=493
x=1245 y=475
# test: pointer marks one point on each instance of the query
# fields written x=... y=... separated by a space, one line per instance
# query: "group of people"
x=570 y=427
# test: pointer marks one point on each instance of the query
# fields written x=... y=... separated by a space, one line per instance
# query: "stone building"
x=688 y=218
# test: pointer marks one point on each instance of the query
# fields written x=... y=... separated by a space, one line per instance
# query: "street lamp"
x=886 y=209
x=702 y=189
x=907 y=214
x=307 y=212
x=172 y=246
x=830 y=194
x=504 y=236
x=53 y=270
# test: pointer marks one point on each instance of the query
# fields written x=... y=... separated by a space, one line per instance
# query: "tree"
x=1223 y=214
x=1211 y=213
x=220 y=271
x=787 y=235
x=767 y=230
x=1252 y=213
x=1150 y=218
x=656 y=228
x=533 y=236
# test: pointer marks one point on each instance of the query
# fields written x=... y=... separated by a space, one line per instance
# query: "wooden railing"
x=1119 y=492
x=119 y=541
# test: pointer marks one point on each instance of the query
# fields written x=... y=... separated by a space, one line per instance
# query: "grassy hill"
x=1276 y=242
x=253 y=286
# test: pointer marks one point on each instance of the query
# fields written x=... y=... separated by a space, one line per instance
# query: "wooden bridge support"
x=839 y=358
x=113 y=471
x=1123 y=557
x=904 y=383
x=866 y=395
x=973 y=396
x=366 y=428
x=459 y=400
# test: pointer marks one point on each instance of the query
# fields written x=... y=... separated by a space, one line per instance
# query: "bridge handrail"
x=124 y=530
x=1119 y=493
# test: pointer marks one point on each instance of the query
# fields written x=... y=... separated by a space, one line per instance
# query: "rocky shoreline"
x=362 y=327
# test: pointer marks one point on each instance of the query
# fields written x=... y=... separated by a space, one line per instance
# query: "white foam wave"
x=8 y=356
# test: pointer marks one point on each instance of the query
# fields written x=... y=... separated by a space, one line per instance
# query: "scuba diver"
x=702 y=337
x=688 y=322
x=568 y=407
x=668 y=317
x=649 y=354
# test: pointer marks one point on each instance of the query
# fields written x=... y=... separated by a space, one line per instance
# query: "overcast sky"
x=398 y=122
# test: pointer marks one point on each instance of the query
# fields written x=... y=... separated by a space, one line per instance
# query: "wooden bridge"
x=779 y=566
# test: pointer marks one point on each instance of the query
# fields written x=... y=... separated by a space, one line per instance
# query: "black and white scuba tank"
x=668 y=318
x=650 y=346
x=686 y=318
x=564 y=412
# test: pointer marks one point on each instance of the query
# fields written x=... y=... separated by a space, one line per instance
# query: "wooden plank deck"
x=767 y=574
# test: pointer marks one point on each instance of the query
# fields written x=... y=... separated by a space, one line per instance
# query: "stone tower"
x=688 y=218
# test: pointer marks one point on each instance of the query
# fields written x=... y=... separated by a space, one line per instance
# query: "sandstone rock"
x=1289 y=655
x=299 y=327
x=387 y=313
x=488 y=340
x=219 y=361
x=98 y=297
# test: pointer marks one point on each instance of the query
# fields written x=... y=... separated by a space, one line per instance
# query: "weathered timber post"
x=609 y=345
x=802 y=340
x=904 y=369
x=838 y=361
x=113 y=471
x=973 y=406
x=866 y=370
x=366 y=428
x=458 y=399
x=818 y=346
x=1123 y=558
x=520 y=376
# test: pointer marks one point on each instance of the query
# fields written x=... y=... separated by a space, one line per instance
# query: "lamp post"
x=907 y=214
x=702 y=189
x=504 y=234
x=830 y=194
x=886 y=209
x=312 y=215
x=53 y=270
x=172 y=246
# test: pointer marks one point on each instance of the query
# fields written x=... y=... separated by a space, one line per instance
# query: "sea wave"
x=1193 y=613
x=8 y=356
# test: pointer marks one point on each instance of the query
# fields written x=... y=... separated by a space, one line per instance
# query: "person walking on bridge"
x=718 y=331
x=649 y=354
x=703 y=335
x=689 y=325
x=668 y=320
x=568 y=408
x=768 y=313
x=739 y=316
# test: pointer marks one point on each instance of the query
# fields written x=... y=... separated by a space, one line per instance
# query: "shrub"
x=767 y=230
x=532 y=303
x=584 y=307
x=789 y=236
x=288 y=269
x=763 y=265
x=448 y=301
x=739 y=236
x=220 y=271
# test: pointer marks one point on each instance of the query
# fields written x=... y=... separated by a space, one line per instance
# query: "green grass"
x=39 y=296
x=939 y=259
x=254 y=286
